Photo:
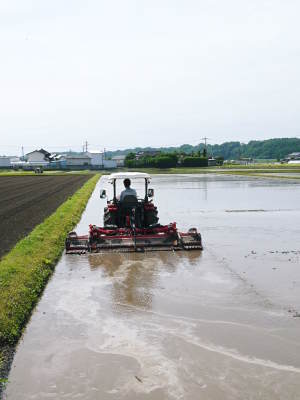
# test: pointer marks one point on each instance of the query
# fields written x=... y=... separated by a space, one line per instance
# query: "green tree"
x=130 y=160
x=194 y=162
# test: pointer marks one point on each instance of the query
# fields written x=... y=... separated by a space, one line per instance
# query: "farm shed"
x=5 y=162
x=96 y=157
x=77 y=160
x=120 y=160
x=109 y=164
x=37 y=156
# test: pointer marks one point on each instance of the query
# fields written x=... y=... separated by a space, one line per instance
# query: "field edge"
x=26 y=269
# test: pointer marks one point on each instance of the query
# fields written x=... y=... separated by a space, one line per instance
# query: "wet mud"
x=217 y=324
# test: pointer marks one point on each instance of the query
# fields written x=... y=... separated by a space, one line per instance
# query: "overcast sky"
x=125 y=73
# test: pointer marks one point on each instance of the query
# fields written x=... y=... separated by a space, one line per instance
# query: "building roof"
x=46 y=154
x=118 y=157
x=94 y=152
x=77 y=156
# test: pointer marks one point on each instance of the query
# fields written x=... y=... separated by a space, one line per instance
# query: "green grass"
x=58 y=172
x=11 y=172
x=262 y=167
x=222 y=169
x=261 y=174
x=255 y=171
x=153 y=171
x=275 y=177
x=266 y=167
x=25 y=271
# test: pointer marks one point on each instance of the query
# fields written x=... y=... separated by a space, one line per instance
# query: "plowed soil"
x=25 y=201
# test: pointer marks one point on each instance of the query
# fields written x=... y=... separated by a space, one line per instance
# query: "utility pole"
x=104 y=154
x=23 y=152
x=205 y=146
x=86 y=146
x=205 y=141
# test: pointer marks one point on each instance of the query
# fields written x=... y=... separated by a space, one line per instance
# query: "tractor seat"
x=129 y=207
x=129 y=200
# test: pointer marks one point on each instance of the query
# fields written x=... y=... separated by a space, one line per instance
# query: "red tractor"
x=132 y=225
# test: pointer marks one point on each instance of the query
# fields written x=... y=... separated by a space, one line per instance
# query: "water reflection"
x=135 y=276
x=175 y=325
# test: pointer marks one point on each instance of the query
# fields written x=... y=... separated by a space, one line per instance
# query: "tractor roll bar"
x=113 y=181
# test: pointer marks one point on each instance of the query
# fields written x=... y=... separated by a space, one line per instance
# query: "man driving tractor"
x=128 y=191
x=131 y=224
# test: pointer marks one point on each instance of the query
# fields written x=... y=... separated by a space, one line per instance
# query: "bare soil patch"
x=25 y=201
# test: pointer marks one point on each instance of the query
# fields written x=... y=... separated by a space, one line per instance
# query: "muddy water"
x=216 y=325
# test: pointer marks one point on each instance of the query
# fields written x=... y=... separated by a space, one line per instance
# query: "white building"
x=77 y=160
x=98 y=160
x=297 y=161
x=14 y=159
x=38 y=156
x=120 y=160
x=211 y=162
x=109 y=164
x=294 y=156
x=5 y=162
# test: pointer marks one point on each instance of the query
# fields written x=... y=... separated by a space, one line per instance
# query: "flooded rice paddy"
x=221 y=324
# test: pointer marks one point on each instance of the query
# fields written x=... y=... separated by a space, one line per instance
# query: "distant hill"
x=259 y=149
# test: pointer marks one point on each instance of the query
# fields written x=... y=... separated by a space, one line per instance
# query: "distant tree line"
x=259 y=149
x=166 y=160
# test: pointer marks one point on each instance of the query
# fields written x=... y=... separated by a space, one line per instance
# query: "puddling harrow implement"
x=131 y=225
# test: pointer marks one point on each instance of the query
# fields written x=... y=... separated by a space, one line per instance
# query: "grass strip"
x=218 y=170
x=55 y=172
x=259 y=174
x=259 y=167
x=274 y=177
x=260 y=171
x=154 y=171
x=25 y=270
